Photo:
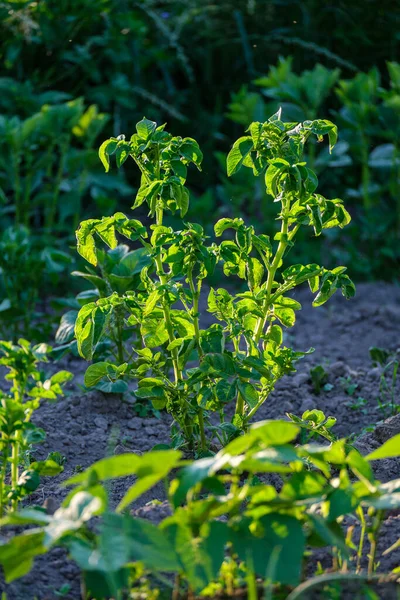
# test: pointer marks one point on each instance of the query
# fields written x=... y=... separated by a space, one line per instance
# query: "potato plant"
x=190 y=370
x=19 y=476
x=228 y=529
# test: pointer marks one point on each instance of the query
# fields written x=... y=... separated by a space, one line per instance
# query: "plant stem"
x=168 y=322
x=251 y=581
x=120 y=345
x=18 y=396
x=14 y=467
x=175 y=591
x=362 y=537
x=271 y=274
x=195 y=316
x=170 y=329
x=286 y=236
x=3 y=475
x=373 y=540
x=202 y=430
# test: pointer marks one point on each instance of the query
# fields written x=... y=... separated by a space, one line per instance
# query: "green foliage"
x=208 y=535
x=25 y=272
x=184 y=70
x=240 y=357
x=118 y=271
x=28 y=387
x=319 y=378
x=389 y=363
x=46 y=164
x=368 y=117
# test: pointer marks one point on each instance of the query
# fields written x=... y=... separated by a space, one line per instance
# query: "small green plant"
x=319 y=378
x=63 y=591
x=28 y=387
x=227 y=532
x=349 y=386
x=314 y=423
x=239 y=358
x=358 y=403
x=389 y=364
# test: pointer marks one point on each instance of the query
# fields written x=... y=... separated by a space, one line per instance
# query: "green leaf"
x=255 y=272
x=122 y=465
x=389 y=449
x=225 y=223
x=300 y=273
x=225 y=391
x=255 y=130
x=61 y=377
x=81 y=508
x=341 y=503
x=89 y=327
x=95 y=373
x=240 y=150
x=190 y=150
x=111 y=467
x=154 y=332
x=151 y=302
x=47 y=468
x=108 y=147
x=275 y=432
x=200 y=558
x=191 y=476
x=145 y=128
x=147 y=192
x=249 y=393
x=141 y=541
x=280 y=541
x=85 y=241
x=328 y=532
x=121 y=153
x=151 y=470
x=17 y=555
x=65 y=331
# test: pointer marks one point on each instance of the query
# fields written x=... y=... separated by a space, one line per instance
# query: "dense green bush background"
x=191 y=63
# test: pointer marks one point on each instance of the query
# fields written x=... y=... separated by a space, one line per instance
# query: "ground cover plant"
x=229 y=533
x=240 y=359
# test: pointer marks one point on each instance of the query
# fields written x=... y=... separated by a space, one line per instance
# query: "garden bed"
x=85 y=427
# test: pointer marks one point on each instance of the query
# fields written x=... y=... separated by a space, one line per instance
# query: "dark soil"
x=85 y=427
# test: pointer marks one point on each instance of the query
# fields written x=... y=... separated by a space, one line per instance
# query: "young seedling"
x=238 y=359
x=389 y=364
x=349 y=386
x=28 y=388
x=319 y=378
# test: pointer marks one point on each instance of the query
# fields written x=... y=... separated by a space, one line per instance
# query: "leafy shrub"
x=240 y=359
